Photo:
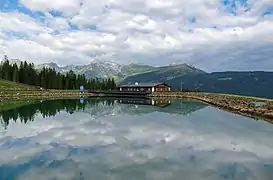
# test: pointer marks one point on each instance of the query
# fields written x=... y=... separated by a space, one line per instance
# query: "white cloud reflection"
x=208 y=144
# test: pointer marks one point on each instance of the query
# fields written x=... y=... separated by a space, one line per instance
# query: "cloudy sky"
x=213 y=35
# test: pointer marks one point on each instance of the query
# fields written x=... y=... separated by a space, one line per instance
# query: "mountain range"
x=105 y=69
x=96 y=69
x=102 y=69
x=251 y=83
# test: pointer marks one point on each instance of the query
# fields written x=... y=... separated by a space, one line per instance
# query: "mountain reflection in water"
x=132 y=106
x=131 y=139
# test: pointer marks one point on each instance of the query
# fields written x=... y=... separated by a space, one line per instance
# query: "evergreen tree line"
x=48 y=78
x=48 y=108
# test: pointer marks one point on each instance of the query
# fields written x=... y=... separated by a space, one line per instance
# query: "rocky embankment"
x=238 y=104
x=40 y=95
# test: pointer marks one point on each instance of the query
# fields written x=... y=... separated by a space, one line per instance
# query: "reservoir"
x=121 y=139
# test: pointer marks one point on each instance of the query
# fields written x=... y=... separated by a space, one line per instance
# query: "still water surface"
x=103 y=139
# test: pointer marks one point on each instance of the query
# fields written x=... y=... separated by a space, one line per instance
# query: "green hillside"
x=9 y=85
x=163 y=74
x=257 y=83
x=133 y=69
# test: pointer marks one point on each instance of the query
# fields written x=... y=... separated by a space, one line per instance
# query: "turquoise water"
x=125 y=140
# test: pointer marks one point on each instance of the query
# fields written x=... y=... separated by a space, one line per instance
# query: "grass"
x=244 y=97
x=128 y=74
x=234 y=96
x=9 y=85
x=12 y=88
x=18 y=92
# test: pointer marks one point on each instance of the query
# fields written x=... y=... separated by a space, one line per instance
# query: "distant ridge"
x=247 y=83
x=250 y=83
x=105 y=69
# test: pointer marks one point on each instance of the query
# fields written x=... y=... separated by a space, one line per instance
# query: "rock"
x=256 y=104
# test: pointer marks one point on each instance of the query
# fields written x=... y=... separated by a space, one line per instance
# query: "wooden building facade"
x=147 y=87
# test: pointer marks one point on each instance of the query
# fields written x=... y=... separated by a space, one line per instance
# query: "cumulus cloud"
x=156 y=32
x=20 y=23
x=67 y=7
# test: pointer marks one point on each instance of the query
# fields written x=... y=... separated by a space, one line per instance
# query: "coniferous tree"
x=6 y=70
x=15 y=73
x=113 y=84
x=50 y=79
x=21 y=73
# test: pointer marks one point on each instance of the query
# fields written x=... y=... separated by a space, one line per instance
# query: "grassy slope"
x=12 y=88
x=257 y=83
x=163 y=74
x=134 y=69
x=9 y=85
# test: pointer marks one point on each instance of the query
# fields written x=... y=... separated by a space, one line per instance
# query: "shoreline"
x=232 y=103
x=42 y=95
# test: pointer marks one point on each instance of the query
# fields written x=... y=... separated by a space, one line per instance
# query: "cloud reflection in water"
x=120 y=141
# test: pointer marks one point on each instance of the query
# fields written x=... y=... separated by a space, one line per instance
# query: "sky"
x=214 y=35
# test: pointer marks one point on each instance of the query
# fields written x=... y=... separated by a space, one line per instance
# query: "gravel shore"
x=41 y=95
x=237 y=104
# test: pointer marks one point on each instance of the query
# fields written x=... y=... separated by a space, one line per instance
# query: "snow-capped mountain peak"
x=96 y=68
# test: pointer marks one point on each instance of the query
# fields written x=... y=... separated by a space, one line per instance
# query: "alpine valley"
x=254 y=83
